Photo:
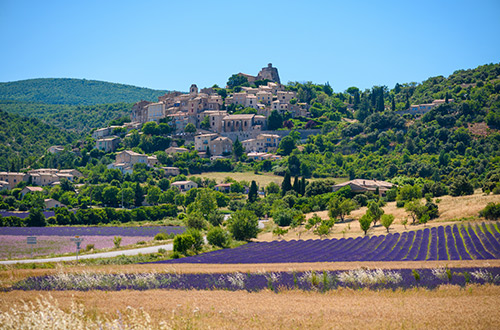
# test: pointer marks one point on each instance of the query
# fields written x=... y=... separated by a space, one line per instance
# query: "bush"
x=218 y=237
x=183 y=243
x=243 y=225
x=117 y=241
x=161 y=237
x=284 y=216
x=491 y=211
x=461 y=187
x=195 y=220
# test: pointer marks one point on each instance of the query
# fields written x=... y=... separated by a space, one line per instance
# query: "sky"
x=171 y=44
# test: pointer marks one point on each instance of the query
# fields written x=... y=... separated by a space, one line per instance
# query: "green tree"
x=340 y=208
x=416 y=210
x=275 y=121
x=150 y=128
x=190 y=128
x=138 y=195
x=375 y=212
x=237 y=149
x=153 y=195
x=164 y=184
x=127 y=195
x=286 y=185
x=195 y=220
x=491 y=211
x=236 y=80
x=286 y=146
x=365 y=222
x=36 y=218
x=205 y=202
x=461 y=187
x=387 y=220
x=243 y=225
x=253 y=192
x=110 y=195
x=272 y=188
x=217 y=236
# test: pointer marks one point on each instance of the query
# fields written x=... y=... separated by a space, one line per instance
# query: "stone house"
x=184 y=186
x=26 y=190
x=13 y=178
x=362 y=185
x=262 y=143
x=221 y=146
x=155 y=111
x=175 y=150
x=202 y=141
x=171 y=171
x=51 y=203
x=131 y=157
x=107 y=144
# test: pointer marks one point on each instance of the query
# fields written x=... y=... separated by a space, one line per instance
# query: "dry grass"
x=262 y=179
x=451 y=210
x=448 y=307
x=8 y=277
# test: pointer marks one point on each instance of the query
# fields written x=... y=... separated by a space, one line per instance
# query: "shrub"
x=183 y=243
x=218 y=237
x=195 y=220
x=491 y=211
x=243 y=225
x=161 y=237
x=117 y=241
x=364 y=223
x=461 y=187
x=387 y=220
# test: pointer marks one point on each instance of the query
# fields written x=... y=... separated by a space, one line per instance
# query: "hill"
x=74 y=92
x=23 y=140
x=77 y=118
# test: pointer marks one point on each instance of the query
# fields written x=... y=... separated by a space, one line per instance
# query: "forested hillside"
x=364 y=137
x=78 y=118
x=24 y=140
x=74 y=92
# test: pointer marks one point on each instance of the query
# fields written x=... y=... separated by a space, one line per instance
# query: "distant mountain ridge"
x=74 y=92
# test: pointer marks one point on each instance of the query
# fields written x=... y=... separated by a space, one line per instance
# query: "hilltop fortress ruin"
x=268 y=73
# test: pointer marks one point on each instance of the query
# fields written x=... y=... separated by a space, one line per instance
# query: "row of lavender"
x=149 y=231
x=24 y=215
x=310 y=280
x=438 y=243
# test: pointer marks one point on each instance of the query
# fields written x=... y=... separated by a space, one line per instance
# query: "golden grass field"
x=448 y=307
x=262 y=179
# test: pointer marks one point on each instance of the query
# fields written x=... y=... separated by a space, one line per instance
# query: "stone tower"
x=269 y=73
x=193 y=89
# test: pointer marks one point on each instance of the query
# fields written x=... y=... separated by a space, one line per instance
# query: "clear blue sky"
x=171 y=44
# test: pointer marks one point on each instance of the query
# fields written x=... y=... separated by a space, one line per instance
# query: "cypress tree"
x=253 y=192
x=303 y=185
x=138 y=195
x=286 y=185
x=296 y=185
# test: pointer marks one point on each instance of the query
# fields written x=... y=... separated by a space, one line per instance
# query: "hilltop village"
x=206 y=110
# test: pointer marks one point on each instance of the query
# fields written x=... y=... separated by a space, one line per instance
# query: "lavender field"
x=56 y=240
x=149 y=231
x=12 y=247
x=309 y=280
x=437 y=243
